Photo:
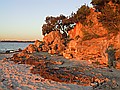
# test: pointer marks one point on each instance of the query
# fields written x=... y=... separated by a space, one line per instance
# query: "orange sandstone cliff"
x=86 y=42
x=90 y=41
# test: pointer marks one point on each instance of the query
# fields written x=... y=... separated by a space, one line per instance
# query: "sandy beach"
x=19 y=77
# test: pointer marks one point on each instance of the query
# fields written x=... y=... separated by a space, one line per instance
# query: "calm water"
x=4 y=46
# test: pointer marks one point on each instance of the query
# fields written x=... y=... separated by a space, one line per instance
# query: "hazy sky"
x=23 y=19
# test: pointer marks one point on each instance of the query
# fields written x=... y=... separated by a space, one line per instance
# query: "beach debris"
x=10 y=51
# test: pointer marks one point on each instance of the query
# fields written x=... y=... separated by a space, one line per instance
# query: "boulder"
x=53 y=42
x=58 y=44
x=45 y=48
x=39 y=49
x=23 y=55
x=72 y=45
x=50 y=38
x=31 y=49
x=68 y=55
x=93 y=50
x=77 y=30
x=38 y=43
x=53 y=51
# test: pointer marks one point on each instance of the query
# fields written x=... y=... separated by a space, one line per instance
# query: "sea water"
x=5 y=46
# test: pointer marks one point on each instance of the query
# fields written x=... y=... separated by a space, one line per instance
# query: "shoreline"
x=6 y=55
x=18 y=41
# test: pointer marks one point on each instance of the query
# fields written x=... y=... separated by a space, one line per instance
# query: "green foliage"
x=116 y=1
x=64 y=24
x=110 y=18
x=99 y=4
x=90 y=23
x=60 y=23
x=110 y=15
x=81 y=14
x=84 y=10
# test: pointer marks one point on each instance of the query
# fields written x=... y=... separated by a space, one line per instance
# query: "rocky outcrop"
x=86 y=42
x=91 y=28
x=38 y=43
x=94 y=49
x=53 y=42
x=45 y=48
x=51 y=37
x=90 y=41
x=30 y=49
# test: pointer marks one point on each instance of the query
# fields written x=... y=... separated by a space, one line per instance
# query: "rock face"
x=45 y=48
x=92 y=27
x=53 y=42
x=51 y=37
x=38 y=43
x=94 y=49
x=90 y=41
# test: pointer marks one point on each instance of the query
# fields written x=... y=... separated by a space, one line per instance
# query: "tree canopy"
x=99 y=4
x=110 y=14
x=64 y=24
x=60 y=23
x=82 y=13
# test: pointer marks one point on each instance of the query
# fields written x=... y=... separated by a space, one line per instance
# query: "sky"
x=23 y=19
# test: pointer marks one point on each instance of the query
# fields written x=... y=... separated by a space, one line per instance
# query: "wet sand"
x=2 y=56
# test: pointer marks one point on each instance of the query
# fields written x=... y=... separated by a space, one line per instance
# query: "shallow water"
x=4 y=46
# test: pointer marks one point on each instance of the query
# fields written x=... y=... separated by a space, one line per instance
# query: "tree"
x=110 y=18
x=60 y=23
x=99 y=4
x=116 y=1
x=64 y=24
x=81 y=14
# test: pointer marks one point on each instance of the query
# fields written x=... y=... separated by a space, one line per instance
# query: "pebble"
x=95 y=84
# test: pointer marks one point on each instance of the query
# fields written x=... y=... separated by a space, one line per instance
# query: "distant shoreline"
x=19 y=41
